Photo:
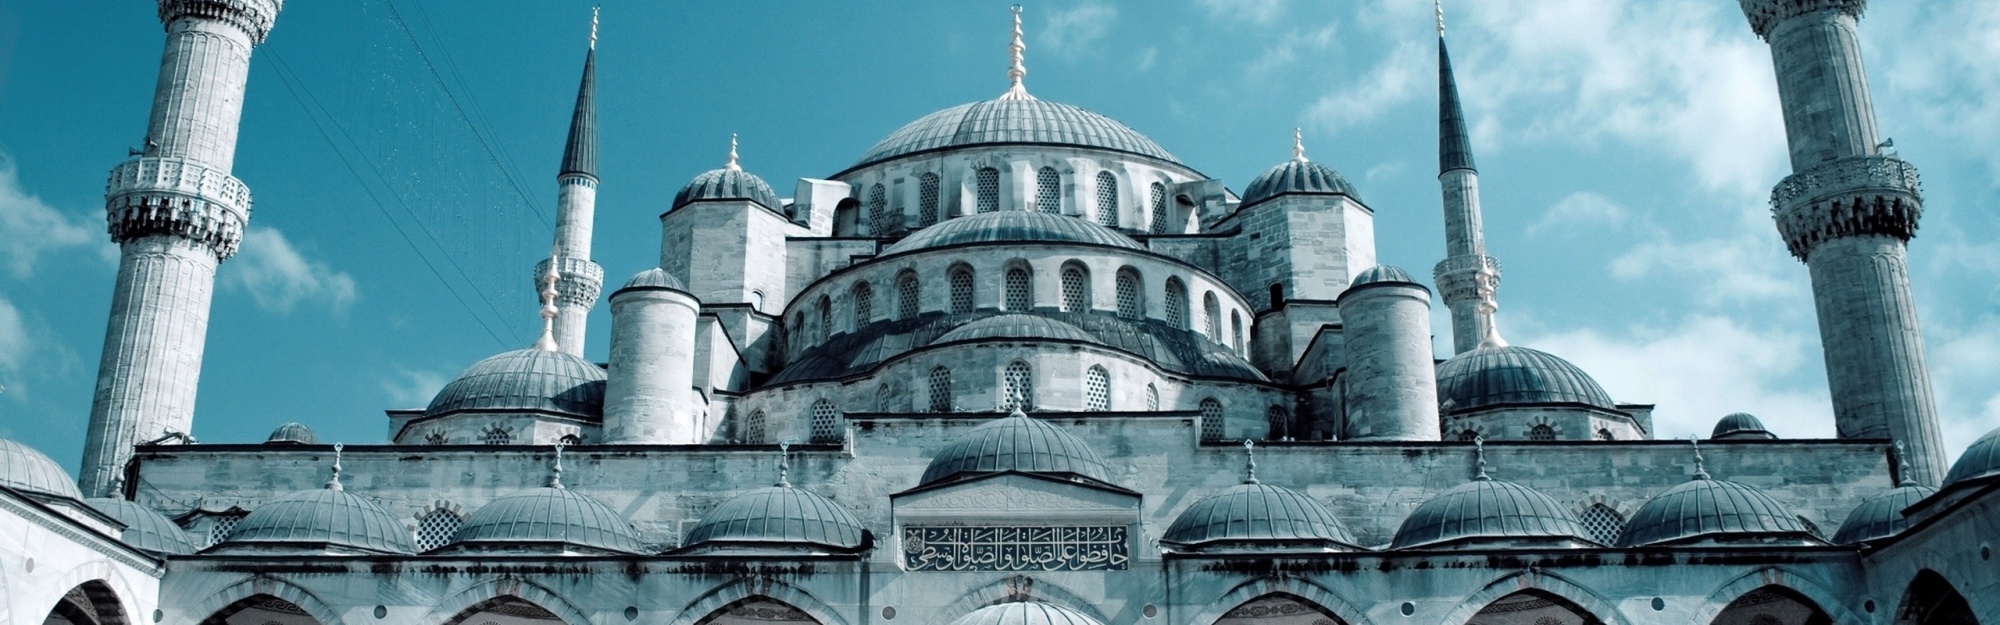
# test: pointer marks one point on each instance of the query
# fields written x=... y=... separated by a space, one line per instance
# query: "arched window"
x=1097 y=389
x=436 y=528
x=1048 y=190
x=496 y=435
x=1076 y=289
x=940 y=394
x=825 y=422
x=927 y=199
x=906 y=295
x=961 y=289
x=825 y=318
x=1017 y=386
x=1277 y=296
x=571 y=438
x=1211 y=419
x=1236 y=331
x=1602 y=523
x=1130 y=304
x=878 y=211
x=1541 y=432
x=757 y=301
x=988 y=180
x=753 y=427
x=1107 y=199
x=1280 y=422
x=1211 y=312
x=1468 y=435
x=864 y=304
x=1159 y=204
x=1152 y=397
x=1020 y=289
x=1604 y=434
x=1176 y=303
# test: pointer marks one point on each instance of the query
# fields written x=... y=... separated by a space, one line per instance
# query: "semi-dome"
x=324 y=519
x=726 y=183
x=1257 y=514
x=1981 y=459
x=1297 y=176
x=1025 y=613
x=1881 y=516
x=1712 y=509
x=655 y=278
x=1011 y=226
x=1016 y=326
x=777 y=516
x=293 y=433
x=1509 y=375
x=1488 y=510
x=26 y=469
x=526 y=379
x=1381 y=273
x=1016 y=442
x=545 y=518
x=1740 y=426
x=146 y=529
x=1012 y=122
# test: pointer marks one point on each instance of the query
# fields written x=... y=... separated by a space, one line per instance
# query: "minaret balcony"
x=176 y=196
x=1847 y=197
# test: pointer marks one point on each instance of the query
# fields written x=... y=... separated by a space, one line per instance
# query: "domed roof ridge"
x=293 y=433
x=145 y=528
x=654 y=278
x=1011 y=226
x=29 y=470
x=1484 y=510
x=1980 y=460
x=778 y=515
x=525 y=379
x=1255 y=512
x=1881 y=516
x=1705 y=507
x=1016 y=326
x=1012 y=121
x=327 y=518
x=1506 y=375
x=726 y=183
x=1381 y=273
x=1025 y=613
x=1016 y=442
x=1739 y=425
x=540 y=517
x=1297 y=176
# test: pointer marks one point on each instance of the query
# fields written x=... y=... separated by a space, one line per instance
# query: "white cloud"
x=1287 y=48
x=1939 y=58
x=1388 y=84
x=278 y=277
x=1717 y=270
x=30 y=228
x=1146 y=58
x=1253 y=11
x=410 y=388
x=1581 y=211
x=1964 y=362
x=1075 y=28
x=14 y=341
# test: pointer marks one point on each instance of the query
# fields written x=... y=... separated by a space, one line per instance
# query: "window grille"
x=1211 y=419
x=989 y=189
x=906 y=296
x=1159 y=204
x=940 y=390
x=497 y=436
x=1541 y=432
x=927 y=199
x=1602 y=523
x=1152 y=397
x=825 y=318
x=571 y=439
x=825 y=428
x=1107 y=199
x=961 y=290
x=1281 y=423
x=1048 y=190
x=224 y=526
x=1468 y=436
x=1236 y=331
x=436 y=529
x=1211 y=311
x=1076 y=289
x=753 y=427
x=864 y=304
x=1177 y=303
x=1018 y=387
x=1129 y=304
x=1020 y=289
x=1097 y=389
x=1605 y=435
x=878 y=212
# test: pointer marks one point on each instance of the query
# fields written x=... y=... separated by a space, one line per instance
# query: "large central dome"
x=1009 y=121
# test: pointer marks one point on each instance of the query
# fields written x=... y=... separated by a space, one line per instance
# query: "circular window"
x=1409 y=608
x=1869 y=606
x=1149 y=611
x=1659 y=604
x=381 y=611
x=888 y=612
x=631 y=612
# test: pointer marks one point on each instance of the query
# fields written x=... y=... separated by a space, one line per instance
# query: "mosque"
x=1017 y=364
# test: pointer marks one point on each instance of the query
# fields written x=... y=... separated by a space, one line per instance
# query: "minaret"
x=575 y=208
x=1467 y=278
x=175 y=213
x=1847 y=210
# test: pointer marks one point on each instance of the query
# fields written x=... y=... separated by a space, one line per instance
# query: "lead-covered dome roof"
x=1019 y=443
x=1487 y=510
x=655 y=278
x=1257 y=514
x=1510 y=375
x=1740 y=425
x=1009 y=121
x=325 y=519
x=1881 y=516
x=1297 y=176
x=545 y=518
x=1016 y=326
x=1012 y=226
x=726 y=183
x=26 y=469
x=778 y=516
x=1980 y=460
x=1707 y=508
x=293 y=433
x=525 y=380
x=146 y=529
x=1025 y=613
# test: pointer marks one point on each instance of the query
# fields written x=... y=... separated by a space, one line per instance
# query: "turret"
x=1847 y=211
x=176 y=213
x=1467 y=278
x=648 y=394
x=576 y=207
x=1390 y=389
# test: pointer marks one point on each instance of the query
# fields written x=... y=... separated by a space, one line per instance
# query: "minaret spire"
x=1016 y=71
x=549 y=311
x=1467 y=278
x=576 y=206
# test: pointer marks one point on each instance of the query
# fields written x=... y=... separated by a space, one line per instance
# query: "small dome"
x=1002 y=122
x=322 y=519
x=1740 y=426
x=1025 y=613
x=544 y=517
x=25 y=469
x=293 y=433
x=1016 y=442
x=726 y=184
x=1016 y=326
x=1509 y=375
x=1297 y=176
x=779 y=515
x=1381 y=273
x=655 y=278
x=1709 y=508
x=1981 y=459
x=1011 y=226
x=1881 y=516
x=146 y=529
x=1257 y=513
x=1488 y=510
x=526 y=379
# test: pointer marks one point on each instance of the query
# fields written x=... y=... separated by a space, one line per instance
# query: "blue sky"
x=403 y=159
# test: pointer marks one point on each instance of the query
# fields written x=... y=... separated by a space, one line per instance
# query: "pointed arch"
x=1810 y=590
x=744 y=589
x=247 y=593
x=471 y=600
x=1586 y=602
x=1018 y=588
x=1328 y=601
x=103 y=586
x=1930 y=599
x=91 y=602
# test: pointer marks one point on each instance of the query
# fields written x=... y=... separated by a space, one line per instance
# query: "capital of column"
x=253 y=17
x=1467 y=278
x=1765 y=15
x=175 y=196
x=579 y=283
x=1845 y=197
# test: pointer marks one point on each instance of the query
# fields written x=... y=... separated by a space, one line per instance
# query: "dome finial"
x=731 y=165
x=1439 y=5
x=1492 y=338
x=593 y=26
x=785 y=463
x=1903 y=467
x=555 y=471
x=1479 y=458
x=1298 y=145
x=334 y=484
x=1249 y=461
x=1017 y=71
x=1700 y=468
x=549 y=279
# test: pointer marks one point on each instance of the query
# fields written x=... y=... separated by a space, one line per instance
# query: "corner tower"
x=175 y=213
x=1847 y=211
x=1468 y=279
x=576 y=208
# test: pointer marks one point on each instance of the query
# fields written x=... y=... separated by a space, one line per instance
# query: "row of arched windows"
x=883 y=220
x=1539 y=432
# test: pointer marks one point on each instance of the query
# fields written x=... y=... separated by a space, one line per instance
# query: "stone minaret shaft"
x=176 y=213
x=575 y=209
x=1467 y=278
x=1847 y=210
